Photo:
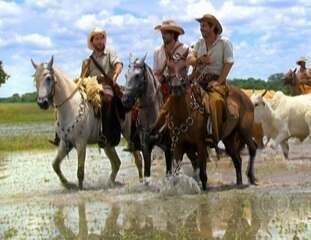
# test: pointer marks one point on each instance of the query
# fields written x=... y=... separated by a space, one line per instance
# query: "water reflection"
x=233 y=218
x=224 y=215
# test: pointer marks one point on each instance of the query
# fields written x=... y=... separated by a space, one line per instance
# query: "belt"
x=206 y=79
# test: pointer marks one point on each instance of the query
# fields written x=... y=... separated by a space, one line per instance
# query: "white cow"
x=283 y=117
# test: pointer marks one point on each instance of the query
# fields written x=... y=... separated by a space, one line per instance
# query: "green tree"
x=3 y=75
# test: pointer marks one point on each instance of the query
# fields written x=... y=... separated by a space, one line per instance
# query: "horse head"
x=45 y=83
x=135 y=82
x=290 y=77
x=177 y=85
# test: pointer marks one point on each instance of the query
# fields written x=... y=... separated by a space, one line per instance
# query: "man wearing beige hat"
x=303 y=74
x=106 y=65
x=212 y=59
x=169 y=62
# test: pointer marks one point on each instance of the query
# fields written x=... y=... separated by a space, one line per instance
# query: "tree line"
x=273 y=82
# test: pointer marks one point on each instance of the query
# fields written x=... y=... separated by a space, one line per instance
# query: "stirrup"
x=210 y=140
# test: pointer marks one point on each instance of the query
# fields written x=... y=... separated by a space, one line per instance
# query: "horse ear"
x=295 y=70
x=144 y=58
x=50 y=64
x=131 y=58
x=264 y=93
x=33 y=64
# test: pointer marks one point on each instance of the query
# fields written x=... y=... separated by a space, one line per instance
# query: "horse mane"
x=155 y=82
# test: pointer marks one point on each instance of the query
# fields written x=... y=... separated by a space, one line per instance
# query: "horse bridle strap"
x=71 y=95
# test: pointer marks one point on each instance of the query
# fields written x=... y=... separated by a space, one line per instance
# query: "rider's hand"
x=205 y=59
x=213 y=84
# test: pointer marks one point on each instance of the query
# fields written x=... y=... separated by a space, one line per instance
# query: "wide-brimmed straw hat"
x=169 y=25
x=301 y=59
x=211 y=19
x=92 y=33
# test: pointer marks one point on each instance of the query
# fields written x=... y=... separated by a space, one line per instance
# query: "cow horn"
x=264 y=93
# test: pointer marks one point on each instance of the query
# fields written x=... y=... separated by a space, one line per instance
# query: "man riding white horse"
x=106 y=66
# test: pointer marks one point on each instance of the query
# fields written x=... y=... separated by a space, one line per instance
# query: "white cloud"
x=9 y=8
x=86 y=22
x=34 y=39
x=262 y=31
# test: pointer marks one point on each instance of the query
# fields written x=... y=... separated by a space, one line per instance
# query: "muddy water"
x=33 y=204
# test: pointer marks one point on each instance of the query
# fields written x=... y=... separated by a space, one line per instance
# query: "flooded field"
x=34 y=205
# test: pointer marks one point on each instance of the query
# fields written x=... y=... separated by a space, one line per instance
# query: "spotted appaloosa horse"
x=76 y=125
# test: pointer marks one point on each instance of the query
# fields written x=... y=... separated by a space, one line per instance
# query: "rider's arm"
x=228 y=61
x=117 y=70
x=224 y=73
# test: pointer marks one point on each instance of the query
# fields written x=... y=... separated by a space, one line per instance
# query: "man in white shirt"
x=169 y=61
x=212 y=59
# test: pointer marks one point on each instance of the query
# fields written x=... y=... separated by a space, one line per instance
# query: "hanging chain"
x=65 y=131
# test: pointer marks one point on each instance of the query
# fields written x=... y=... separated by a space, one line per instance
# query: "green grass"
x=14 y=113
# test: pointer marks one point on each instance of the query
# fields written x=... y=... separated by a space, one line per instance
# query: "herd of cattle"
x=279 y=117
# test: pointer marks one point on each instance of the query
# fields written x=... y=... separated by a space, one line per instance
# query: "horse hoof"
x=253 y=181
x=71 y=186
x=113 y=184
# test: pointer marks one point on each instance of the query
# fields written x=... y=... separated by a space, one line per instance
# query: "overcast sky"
x=268 y=36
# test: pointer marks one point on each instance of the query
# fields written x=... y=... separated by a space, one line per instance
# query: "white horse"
x=76 y=123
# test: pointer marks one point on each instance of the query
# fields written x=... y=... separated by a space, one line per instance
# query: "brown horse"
x=295 y=81
x=187 y=123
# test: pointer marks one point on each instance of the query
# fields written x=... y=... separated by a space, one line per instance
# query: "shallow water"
x=34 y=205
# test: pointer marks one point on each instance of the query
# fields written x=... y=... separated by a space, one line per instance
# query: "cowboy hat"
x=211 y=19
x=92 y=33
x=301 y=59
x=169 y=25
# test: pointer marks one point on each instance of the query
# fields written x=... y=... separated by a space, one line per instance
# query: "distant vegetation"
x=16 y=98
x=3 y=75
x=274 y=82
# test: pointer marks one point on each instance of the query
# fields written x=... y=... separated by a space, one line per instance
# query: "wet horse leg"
x=168 y=160
x=194 y=162
x=62 y=152
x=81 y=149
x=178 y=154
x=251 y=145
x=202 y=157
x=114 y=161
x=232 y=144
x=147 y=162
x=139 y=164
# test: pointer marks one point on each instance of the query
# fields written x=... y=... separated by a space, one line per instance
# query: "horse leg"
x=168 y=160
x=232 y=144
x=178 y=156
x=139 y=164
x=62 y=152
x=114 y=161
x=81 y=162
x=285 y=148
x=194 y=162
x=202 y=157
x=251 y=145
x=147 y=162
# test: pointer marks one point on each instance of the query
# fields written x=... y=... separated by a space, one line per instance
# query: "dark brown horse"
x=187 y=125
